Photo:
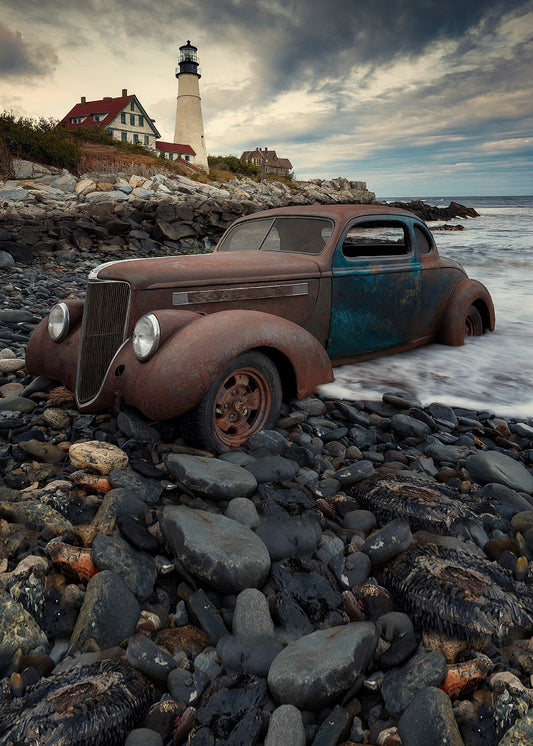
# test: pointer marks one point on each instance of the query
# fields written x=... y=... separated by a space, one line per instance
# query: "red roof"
x=107 y=107
x=174 y=147
x=111 y=107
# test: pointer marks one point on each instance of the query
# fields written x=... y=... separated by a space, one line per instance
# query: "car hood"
x=208 y=269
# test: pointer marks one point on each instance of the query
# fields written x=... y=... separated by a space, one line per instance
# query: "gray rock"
x=272 y=469
x=360 y=520
x=492 y=466
x=18 y=629
x=243 y=510
x=405 y=426
x=269 y=439
x=137 y=569
x=184 y=686
x=17 y=404
x=289 y=538
x=400 y=685
x=251 y=615
x=250 y=654
x=109 y=612
x=6 y=260
x=388 y=542
x=149 y=658
x=143 y=737
x=429 y=720
x=148 y=490
x=519 y=734
x=317 y=668
x=356 y=569
x=218 y=551
x=356 y=472
x=446 y=454
x=285 y=727
x=212 y=478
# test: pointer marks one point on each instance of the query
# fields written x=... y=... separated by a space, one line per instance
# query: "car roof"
x=336 y=212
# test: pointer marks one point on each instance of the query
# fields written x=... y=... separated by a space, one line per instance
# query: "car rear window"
x=376 y=239
x=286 y=234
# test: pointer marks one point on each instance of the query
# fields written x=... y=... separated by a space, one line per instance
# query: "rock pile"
x=48 y=210
x=361 y=574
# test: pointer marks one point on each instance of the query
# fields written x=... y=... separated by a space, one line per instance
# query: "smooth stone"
x=273 y=469
x=492 y=466
x=148 y=490
x=135 y=428
x=429 y=720
x=137 y=534
x=211 y=477
x=251 y=615
x=11 y=365
x=356 y=569
x=447 y=454
x=109 y=612
x=354 y=473
x=218 y=551
x=137 y=569
x=443 y=414
x=184 y=686
x=113 y=504
x=271 y=440
x=143 y=737
x=405 y=426
x=386 y=543
x=314 y=670
x=17 y=404
x=400 y=685
x=285 y=727
x=289 y=538
x=360 y=520
x=149 y=658
x=243 y=510
x=248 y=653
x=44 y=452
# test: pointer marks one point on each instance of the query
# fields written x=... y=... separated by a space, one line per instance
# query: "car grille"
x=105 y=320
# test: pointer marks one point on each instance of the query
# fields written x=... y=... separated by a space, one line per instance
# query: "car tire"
x=244 y=399
x=473 y=323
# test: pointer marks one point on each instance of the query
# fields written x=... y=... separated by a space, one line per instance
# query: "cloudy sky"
x=415 y=97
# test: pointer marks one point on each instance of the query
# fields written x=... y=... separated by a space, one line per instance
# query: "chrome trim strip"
x=191 y=297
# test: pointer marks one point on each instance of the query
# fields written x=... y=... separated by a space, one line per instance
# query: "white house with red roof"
x=123 y=117
x=175 y=151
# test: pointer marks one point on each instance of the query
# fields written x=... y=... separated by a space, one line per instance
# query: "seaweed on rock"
x=97 y=704
x=460 y=595
x=426 y=504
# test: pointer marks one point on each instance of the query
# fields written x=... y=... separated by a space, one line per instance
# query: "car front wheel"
x=244 y=399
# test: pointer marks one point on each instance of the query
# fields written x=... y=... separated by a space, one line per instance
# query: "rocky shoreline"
x=360 y=575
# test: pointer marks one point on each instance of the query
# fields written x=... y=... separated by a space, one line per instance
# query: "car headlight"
x=146 y=336
x=58 y=322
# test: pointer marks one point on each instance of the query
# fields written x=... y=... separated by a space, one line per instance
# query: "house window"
x=132 y=119
x=109 y=132
x=187 y=157
x=135 y=139
x=75 y=120
x=123 y=118
x=171 y=156
x=124 y=137
x=146 y=140
x=96 y=117
x=141 y=121
x=132 y=105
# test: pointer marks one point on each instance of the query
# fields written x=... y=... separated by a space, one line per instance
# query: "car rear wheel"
x=473 y=323
x=244 y=399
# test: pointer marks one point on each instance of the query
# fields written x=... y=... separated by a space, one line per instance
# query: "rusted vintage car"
x=220 y=339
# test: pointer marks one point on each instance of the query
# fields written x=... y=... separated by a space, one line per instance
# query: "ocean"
x=493 y=372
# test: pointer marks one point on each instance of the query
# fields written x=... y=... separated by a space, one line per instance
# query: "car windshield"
x=303 y=235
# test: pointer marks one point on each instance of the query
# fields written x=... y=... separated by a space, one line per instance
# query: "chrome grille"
x=105 y=319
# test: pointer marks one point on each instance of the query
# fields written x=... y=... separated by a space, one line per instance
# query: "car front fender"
x=56 y=360
x=182 y=370
x=466 y=293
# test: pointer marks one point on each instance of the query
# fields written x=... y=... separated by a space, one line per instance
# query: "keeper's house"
x=123 y=118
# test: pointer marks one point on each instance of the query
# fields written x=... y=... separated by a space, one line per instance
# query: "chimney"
x=83 y=100
x=124 y=92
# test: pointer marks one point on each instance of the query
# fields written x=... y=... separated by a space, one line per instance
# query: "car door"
x=375 y=287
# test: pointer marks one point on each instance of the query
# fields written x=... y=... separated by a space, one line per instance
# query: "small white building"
x=124 y=118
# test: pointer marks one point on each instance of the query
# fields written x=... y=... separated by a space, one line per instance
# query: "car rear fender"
x=191 y=358
x=466 y=293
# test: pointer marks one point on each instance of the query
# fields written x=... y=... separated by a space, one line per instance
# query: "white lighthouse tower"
x=189 y=124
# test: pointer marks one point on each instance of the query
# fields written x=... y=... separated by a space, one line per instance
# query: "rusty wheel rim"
x=471 y=326
x=242 y=405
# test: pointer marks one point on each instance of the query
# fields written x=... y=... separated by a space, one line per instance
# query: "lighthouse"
x=189 y=124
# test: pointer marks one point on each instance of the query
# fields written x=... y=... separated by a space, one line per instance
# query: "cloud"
x=19 y=58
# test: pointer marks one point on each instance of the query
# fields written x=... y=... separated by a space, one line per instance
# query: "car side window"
x=424 y=243
x=377 y=239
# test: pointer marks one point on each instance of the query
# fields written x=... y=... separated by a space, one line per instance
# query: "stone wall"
x=46 y=210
